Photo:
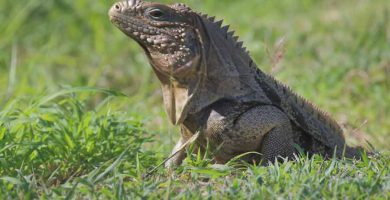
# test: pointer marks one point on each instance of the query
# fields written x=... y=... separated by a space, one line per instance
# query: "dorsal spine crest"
x=225 y=31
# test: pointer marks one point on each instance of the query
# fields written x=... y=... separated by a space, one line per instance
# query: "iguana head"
x=165 y=32
x=196 y=59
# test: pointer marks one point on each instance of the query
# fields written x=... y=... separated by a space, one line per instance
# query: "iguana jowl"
x=211 y=85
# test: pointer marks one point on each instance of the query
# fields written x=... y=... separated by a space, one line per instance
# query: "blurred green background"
x=334 y=53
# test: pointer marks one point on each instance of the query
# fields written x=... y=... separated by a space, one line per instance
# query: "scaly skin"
x=211 y=85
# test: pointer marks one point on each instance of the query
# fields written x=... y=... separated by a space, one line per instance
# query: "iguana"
x=212 y=86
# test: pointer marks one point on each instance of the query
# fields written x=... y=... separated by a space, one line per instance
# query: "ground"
x=81 y=113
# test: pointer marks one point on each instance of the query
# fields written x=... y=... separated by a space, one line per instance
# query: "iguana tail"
x=310 y=145
x=353 y=152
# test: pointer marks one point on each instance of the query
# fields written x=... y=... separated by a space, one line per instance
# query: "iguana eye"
x=156 y=13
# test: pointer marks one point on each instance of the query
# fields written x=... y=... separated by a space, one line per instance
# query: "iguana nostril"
x=117 y=7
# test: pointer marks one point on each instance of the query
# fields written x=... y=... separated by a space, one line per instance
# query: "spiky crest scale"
x=182 y=8
x=225 y=29
x=219 y=23
x=230 y=34
x=213 y=19
x=240 y=44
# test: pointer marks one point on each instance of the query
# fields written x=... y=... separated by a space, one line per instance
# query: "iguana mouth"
x=133 y=25
x=143 y=33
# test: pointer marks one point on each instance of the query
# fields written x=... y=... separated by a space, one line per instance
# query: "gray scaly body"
x=210 y=84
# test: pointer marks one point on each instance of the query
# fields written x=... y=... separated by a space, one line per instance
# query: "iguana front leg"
x=179 y=156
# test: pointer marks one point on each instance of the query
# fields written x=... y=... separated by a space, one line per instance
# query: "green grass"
x=61 y=137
